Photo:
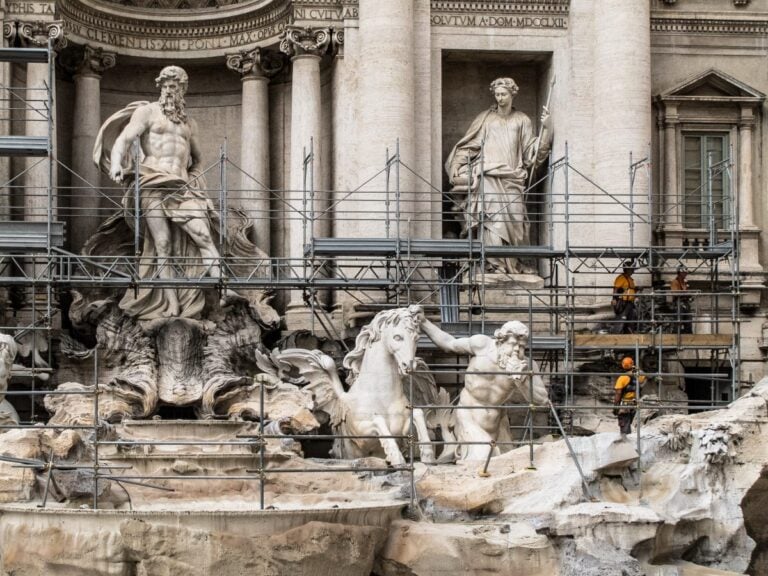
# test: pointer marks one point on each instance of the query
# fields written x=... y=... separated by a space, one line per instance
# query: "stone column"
x=386 y=95
x=255 y=68
x=84 y=199
x=746 y=207
x=37 y=177
x=672 y=197
x=5 y=122
x=622 y=113
x=305 y=46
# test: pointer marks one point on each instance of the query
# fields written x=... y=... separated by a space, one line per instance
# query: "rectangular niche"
x=466 y=79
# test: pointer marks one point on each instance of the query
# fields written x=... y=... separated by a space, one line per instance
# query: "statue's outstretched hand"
x=116 y=173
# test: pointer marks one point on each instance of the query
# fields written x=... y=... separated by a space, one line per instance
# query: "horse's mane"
x=371 y=333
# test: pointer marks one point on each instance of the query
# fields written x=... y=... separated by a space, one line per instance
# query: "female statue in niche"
x=512 y=151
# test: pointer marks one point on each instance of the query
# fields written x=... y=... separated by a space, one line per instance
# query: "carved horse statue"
x=383 y=369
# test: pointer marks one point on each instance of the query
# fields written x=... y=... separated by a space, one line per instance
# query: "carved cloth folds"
x=179 y=201
x=509 y=152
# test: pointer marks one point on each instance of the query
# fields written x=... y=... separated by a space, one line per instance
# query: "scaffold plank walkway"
x=653 y=340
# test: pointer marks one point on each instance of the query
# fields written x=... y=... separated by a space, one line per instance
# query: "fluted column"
x=622 y=111
x=84 y=199
x=305 y=46
x=386 y=90
x=255 y=68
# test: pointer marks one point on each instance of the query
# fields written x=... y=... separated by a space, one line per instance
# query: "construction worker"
x=625 y=397
x=681 y=301
x=623 y=302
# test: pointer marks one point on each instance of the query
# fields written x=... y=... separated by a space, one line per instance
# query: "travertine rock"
x=154 y=545
x=18 y=484
x=426 y=549
x=314 y=549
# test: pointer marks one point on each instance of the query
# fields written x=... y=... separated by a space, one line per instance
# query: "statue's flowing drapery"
x=509 y=153
x=176 y=200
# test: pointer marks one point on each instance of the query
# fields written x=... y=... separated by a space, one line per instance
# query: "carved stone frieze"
x=695 y=25
x=256 y=62
x=175 y=4
x=300 y=41
x=478 y=6
x=184 y=34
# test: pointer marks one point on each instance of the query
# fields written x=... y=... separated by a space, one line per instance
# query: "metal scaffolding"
x=404 y=262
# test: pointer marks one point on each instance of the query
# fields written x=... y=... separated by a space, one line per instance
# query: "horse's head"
x=400 y=338
x=396 y=330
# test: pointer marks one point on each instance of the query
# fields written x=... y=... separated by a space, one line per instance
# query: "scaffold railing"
x=399 y=239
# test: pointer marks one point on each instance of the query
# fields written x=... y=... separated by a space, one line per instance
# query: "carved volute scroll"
x=38 y=34
x=256 y=62
x=300 y=41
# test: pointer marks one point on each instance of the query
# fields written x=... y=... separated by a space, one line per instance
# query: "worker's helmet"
x=627 y=363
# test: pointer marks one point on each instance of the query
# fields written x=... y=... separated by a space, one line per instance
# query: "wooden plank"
x=646 y=340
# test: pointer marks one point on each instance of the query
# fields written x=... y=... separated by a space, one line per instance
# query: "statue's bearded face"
x=511 y=353
x=172 y=101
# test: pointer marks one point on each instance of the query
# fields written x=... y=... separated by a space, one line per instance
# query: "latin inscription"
x=335 y=14
x=175 y=44
x=499 y=21
x=43 y=8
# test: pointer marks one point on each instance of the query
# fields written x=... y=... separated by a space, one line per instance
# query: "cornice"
x=752 y=26
x=174 y=33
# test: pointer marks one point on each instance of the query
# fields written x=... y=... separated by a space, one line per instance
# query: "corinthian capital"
x=297 y=41
x=256 y=62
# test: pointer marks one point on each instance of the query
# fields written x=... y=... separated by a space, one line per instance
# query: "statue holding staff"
x=511 y=151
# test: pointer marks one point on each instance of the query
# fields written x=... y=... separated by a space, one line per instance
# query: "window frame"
x=728 y=132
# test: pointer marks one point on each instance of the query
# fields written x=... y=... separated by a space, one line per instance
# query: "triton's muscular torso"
x=166 y=144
